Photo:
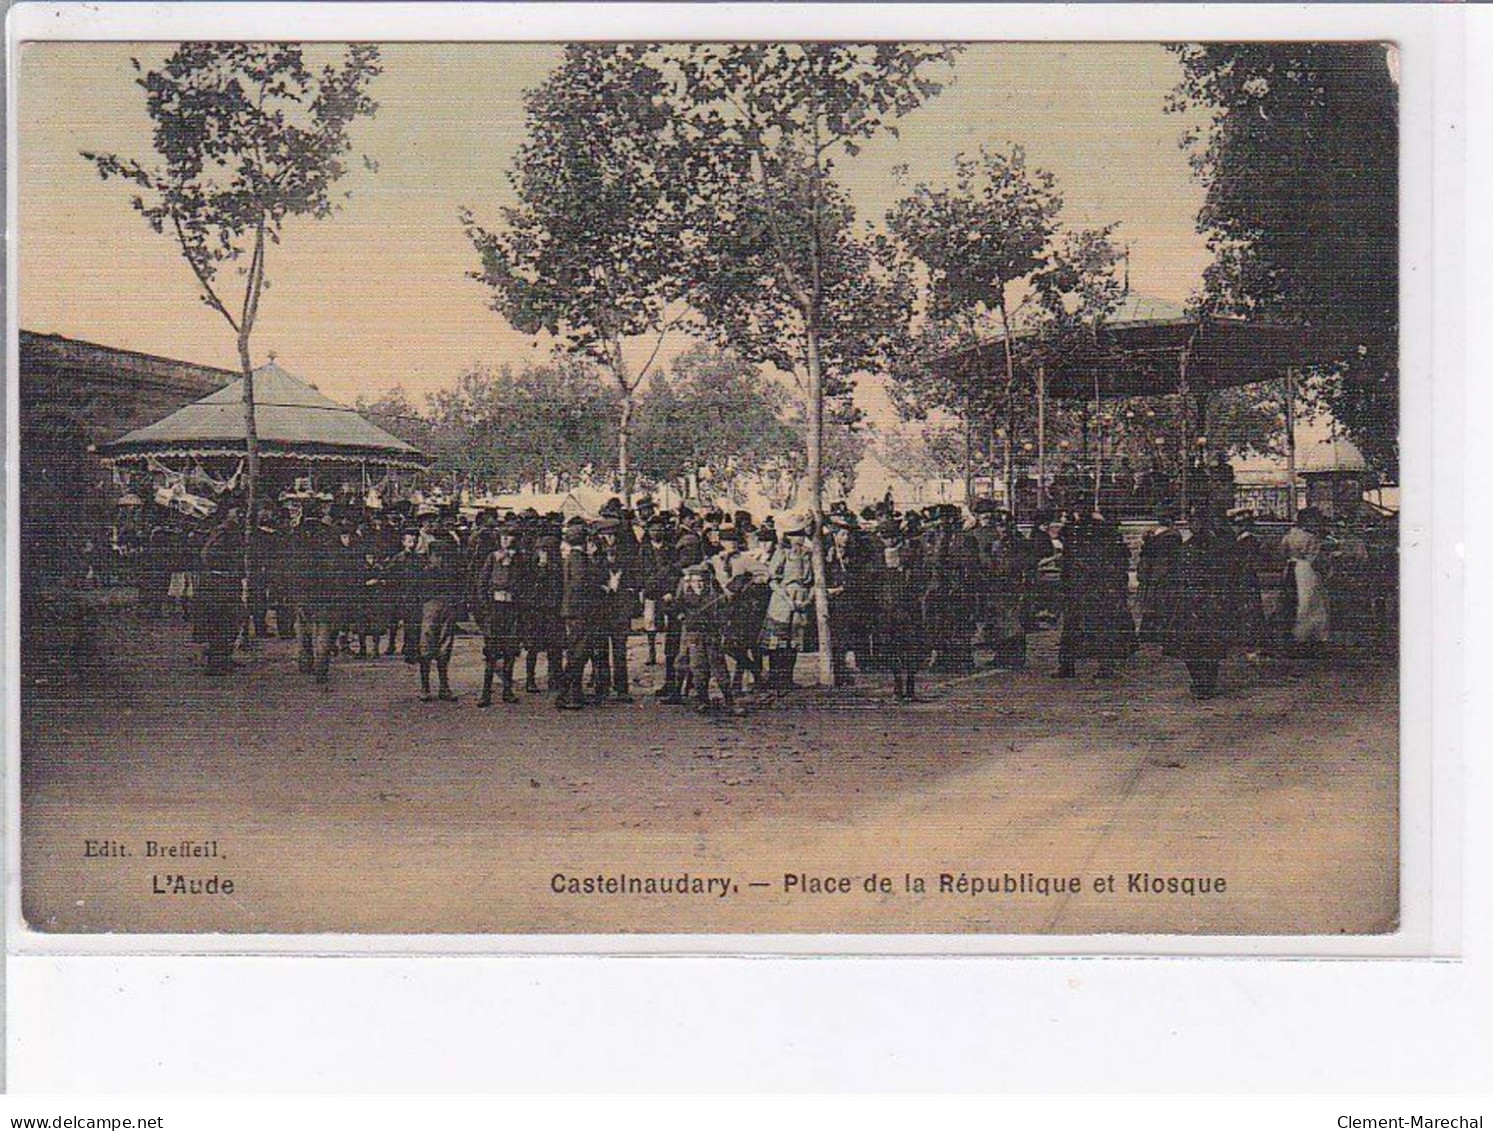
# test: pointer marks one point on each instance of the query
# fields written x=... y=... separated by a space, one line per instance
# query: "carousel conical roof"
x=292 y=420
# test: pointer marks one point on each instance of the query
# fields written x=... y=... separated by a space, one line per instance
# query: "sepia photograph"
x=887 y=488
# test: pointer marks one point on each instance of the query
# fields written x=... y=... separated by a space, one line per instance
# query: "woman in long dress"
x=1302 y=547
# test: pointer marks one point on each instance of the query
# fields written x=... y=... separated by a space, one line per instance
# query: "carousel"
x=308 y=444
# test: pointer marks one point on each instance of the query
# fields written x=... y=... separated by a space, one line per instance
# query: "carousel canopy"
x=292 y=419
x=1139 y=350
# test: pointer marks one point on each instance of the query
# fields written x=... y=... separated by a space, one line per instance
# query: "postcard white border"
x=1431 y=195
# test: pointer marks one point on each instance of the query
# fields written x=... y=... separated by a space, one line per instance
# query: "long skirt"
x=1311 y=621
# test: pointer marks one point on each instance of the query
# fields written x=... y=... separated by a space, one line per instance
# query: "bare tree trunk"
x=1010 y=405
x=816 y=507
x=251 y=462
x=624 y=445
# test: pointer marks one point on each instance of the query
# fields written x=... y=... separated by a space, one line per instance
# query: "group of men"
x=725 y=602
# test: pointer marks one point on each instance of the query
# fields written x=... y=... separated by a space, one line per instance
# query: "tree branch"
x=658 y=345
x=212 y=296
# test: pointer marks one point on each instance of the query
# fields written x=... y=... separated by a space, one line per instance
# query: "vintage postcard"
x=790 y=487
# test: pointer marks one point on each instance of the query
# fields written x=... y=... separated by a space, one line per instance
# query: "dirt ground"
x=361 y=809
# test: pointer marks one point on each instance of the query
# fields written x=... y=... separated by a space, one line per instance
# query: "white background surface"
x=152 y=1024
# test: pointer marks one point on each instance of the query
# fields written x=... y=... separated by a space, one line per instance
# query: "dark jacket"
x=581 y=593
x=658 y=571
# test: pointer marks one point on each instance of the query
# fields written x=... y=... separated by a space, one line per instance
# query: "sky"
x=379 y=296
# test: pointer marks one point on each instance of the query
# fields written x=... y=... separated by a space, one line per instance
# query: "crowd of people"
x=726 y=602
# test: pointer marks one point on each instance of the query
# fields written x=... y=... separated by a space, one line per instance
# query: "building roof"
x=55 y=353
x=291 y=418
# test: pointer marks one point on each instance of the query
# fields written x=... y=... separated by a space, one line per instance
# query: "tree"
x=992 y=229
x=1299 y=153
x=589 y=253
x=544 y=424
x=922 y=385
x=250 y=135
x=767 y=123
x=921 y=454
x=715 y=418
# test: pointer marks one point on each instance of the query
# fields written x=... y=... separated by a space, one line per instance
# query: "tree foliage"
x=394 y=412
x=975 y=238
x=1299 y=154
x=590 y=253
x=713 y=419
x=542 y=425
x=248 y=135
x=993 y=229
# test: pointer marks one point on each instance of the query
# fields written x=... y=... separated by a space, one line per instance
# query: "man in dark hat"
x=618 y=607
x=948 y=609
x=658 y=577
x=323 y=567
x=741 y=575
x=851 y=593
x=440 y=594
x=540 y=626
x=1009 y=568
x=399 y=588
x=1248 y=561
x=899 y=603
x=581 y=600
x=1159 y=571
x=220 y=596
x=1096 y=617
x=500 y=588
x=1206 y=602
x=985 y=543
